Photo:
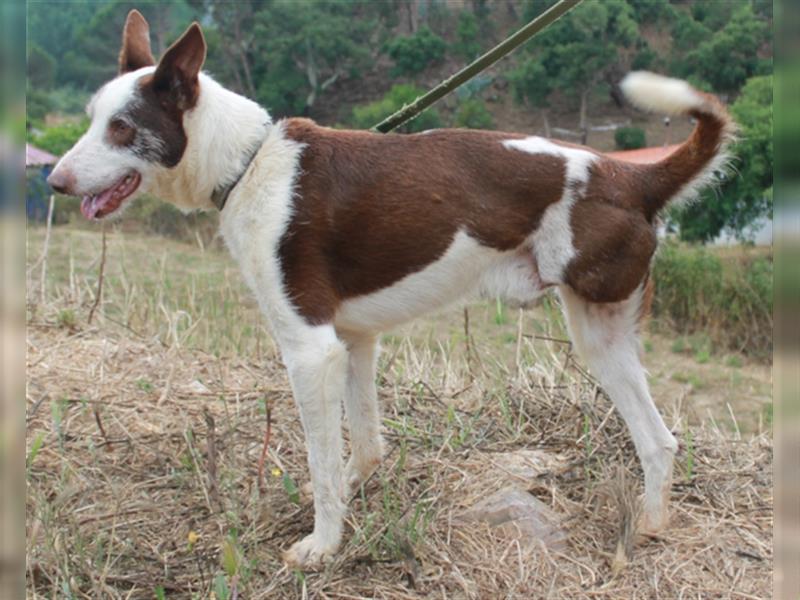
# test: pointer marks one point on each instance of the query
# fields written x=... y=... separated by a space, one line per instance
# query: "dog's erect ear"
x=135 y=52
x=177 y=71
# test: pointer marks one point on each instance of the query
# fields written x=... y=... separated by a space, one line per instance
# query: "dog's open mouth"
x=106 y=202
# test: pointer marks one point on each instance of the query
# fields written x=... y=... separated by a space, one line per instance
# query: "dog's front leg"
x=318 y=372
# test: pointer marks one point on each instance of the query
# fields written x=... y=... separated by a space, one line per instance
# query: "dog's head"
x=137 y=126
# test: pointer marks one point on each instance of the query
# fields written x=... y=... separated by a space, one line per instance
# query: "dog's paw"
x=306 y=493
x=356 y=474
x=653 y=522
x=309 y=554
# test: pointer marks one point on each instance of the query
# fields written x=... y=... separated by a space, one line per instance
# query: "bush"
x=369 y=115
x=60 y=138
x=412 y=54
x=473 y=114
x=467 y=44
x=629 y=138
x=729 y=298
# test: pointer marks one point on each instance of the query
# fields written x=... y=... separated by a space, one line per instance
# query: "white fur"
x=515 y=278
x=254 y=220
x=94 y=163
x=220 y=130
x=552 y=241
x=442 y=282
x=657 y=93
x=605 y=337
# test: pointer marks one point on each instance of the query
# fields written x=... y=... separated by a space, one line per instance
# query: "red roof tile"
x=644 y=155
x=35 y=157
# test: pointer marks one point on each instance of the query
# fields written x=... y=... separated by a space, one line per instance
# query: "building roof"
x=35 y=157
x=644 y=155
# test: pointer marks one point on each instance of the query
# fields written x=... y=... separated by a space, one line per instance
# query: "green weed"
x=689 y=466
x=291 y=488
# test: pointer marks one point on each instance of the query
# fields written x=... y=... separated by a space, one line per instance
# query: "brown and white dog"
x=343 y=234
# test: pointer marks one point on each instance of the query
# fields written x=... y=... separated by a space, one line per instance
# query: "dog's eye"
x=119 y=126
x=120 y=132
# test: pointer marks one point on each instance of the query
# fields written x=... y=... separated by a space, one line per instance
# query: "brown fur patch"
x=176 y=77
x=159 y=136
x=135 y=52
x=612 y=224
x=371 y=209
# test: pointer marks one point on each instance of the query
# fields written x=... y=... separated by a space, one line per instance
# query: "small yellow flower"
x=192 y=538
x=276 y=472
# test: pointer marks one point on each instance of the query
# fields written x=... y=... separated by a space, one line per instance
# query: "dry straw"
x=144 y=450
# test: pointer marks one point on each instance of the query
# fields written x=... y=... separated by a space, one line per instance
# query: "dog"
x=341 y=235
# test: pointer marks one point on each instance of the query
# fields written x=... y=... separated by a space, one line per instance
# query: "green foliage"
x=41 y=67
x=645 y=58
x=37 y=106
x=686 y=32
x=729 y=299
x=747 y=193
x=291 y=488
x=577 y=52
x=473 y=114
x=467 y=44
x=413 y=54
x=530 y=82
x=629 y=138
x=730 y=56
x=368 y=115
x=60 y=138
x=299 y=50
x=651 y=11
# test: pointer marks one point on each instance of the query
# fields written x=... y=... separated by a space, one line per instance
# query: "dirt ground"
x=146 y=430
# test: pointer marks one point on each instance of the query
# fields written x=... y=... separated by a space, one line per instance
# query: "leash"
x=481 y=63
x=220 y=194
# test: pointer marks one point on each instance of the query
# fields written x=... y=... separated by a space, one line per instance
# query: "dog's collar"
x=220 y=194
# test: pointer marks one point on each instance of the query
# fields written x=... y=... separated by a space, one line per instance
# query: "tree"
x=532 y=86
x=630 y=138
x=746 y=195
x=412 y=54
x=41 y=68
x=731 y=55
x=592 y=44
x=473 y=114
x=368 y=115
x=60 y=138
x=467 y=45
x=301 y=49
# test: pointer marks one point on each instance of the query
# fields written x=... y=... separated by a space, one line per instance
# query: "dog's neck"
x=222 y=131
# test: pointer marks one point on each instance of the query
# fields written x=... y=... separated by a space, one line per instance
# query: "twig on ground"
x=99 y=293
x=264 y=450
x=211 y=467
x=109 y=446
x=43 y=259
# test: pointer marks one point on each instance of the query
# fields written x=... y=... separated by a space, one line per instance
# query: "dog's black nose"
x=61 y=181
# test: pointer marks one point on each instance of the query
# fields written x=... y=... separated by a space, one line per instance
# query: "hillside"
x=352 y=63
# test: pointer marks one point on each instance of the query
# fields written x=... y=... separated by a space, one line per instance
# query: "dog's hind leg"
x=605 y=335
x=317 y=363
x=361 y=407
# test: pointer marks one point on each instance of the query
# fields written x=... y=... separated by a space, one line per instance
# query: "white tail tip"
x=656 y=93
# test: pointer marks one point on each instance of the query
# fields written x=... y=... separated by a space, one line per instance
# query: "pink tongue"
x=91 y=205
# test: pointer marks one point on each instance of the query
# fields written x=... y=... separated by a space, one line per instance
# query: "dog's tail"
x=682 y=174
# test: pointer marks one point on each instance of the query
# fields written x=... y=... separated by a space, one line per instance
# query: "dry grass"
x=145 y=431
